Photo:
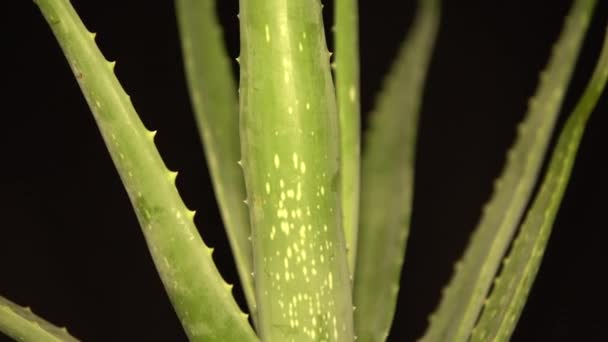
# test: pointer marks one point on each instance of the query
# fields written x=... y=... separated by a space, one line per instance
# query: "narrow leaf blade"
x=346 y=69
x=200 y=296
x=463 y=298
x=22 y=324
x=387 y=180
x=214 y=99
x=505 y=304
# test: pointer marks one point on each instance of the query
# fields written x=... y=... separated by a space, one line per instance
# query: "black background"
x=71 y=248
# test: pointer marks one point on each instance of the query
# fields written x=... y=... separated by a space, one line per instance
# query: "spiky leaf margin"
x=464 y=296
x=201 y=298
x=213 y=94
x=23 y=325
x=387 y=180
x=504 y=306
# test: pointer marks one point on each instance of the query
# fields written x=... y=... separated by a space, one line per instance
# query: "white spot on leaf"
x=267 y=31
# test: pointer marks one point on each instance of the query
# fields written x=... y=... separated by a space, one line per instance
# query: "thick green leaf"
x=463 y=298
x=387 y=180
x=22 y=325
x=201 y=298
x=214 y=99
x=290 y=147
x=505 y=304
x=346 y=69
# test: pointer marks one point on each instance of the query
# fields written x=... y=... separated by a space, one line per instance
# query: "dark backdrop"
x=71 y=248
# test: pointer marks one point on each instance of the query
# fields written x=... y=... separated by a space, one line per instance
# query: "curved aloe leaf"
x=346 y=69
x=22 y=325
x=387 y=180
x=290 y=148
x=201 y=298
x=464 y=296
x=505 y=304
x=214 y=98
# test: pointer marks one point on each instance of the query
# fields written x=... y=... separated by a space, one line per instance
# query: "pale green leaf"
x=290 y=148
x=201 y=298
x=23 y=325
x=387 y=179
x=505 y=304
x=346 y=69
x=214 y=99
x=463 y=298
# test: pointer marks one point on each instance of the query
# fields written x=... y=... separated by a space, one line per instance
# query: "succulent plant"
x=320 y=240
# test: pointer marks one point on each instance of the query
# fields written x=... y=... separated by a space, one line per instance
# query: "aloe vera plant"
x=320 y=241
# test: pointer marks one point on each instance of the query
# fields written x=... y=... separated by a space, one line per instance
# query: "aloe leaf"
x=214 y=99
x=387 y=180
x=346 y=69
x=22 y=324
x=504 y=306
x=463 y=298
x=201 y=298
x=290 y=149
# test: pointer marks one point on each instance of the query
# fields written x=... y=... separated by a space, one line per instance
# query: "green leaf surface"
x=463 y=298
x=201 y=298
x=387 y=180
x=21 y=324
x=505 y=304
x=346 y=69
x=290 y=148
x=213 y=93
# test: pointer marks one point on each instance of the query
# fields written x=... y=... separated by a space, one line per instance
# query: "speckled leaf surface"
x=290 y=149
